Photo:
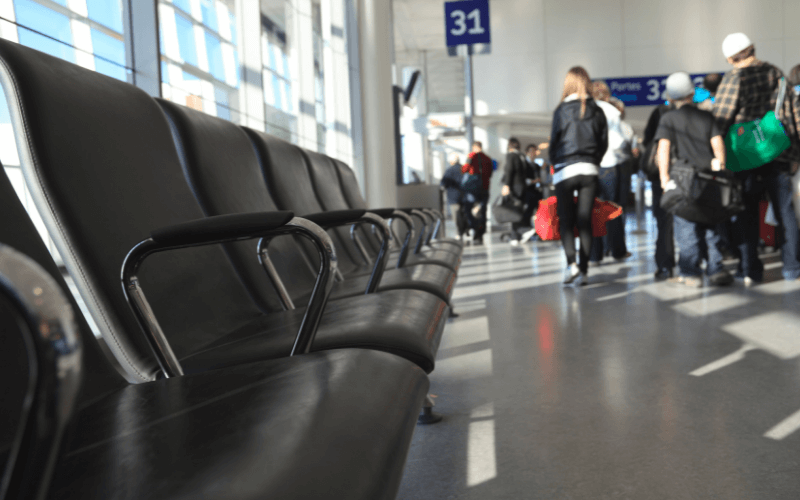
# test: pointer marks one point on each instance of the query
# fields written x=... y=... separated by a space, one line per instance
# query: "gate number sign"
x=467 y=22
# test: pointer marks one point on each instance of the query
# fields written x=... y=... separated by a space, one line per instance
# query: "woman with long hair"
x=578 y=142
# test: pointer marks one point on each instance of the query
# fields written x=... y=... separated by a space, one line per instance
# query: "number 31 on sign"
x=467 y=22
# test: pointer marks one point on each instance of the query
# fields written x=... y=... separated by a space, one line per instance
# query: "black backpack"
x=701 y=196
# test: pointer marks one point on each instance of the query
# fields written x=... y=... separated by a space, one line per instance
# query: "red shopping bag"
x=547 y=225
x=547 y=220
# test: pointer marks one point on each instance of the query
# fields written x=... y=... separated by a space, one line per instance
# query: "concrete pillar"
x=376 y=56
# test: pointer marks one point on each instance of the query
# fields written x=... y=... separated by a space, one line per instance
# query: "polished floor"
x=623 y=389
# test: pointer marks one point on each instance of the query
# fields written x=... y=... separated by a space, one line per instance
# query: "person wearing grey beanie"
x=747 y=93
x=690 y=135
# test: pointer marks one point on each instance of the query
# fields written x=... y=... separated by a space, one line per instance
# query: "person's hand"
x=505 y=191
x=716 y=165
x=664 y=181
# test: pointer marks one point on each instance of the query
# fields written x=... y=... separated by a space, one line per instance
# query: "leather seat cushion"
x=434 y=279
x=324 y=425
x=438 y=257
x=407 y=323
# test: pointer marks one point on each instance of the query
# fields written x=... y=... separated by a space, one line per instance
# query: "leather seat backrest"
x=224 y=173
x=103 y=171
x=18 y=232
x=350 y=185
x=286 y=172
x=325 y=181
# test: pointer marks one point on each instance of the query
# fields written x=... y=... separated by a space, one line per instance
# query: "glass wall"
x=319 y=76
x=277 y=62
x=199 y=55
x=90 y=33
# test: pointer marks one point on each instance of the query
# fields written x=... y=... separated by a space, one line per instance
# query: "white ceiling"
x=418 y=27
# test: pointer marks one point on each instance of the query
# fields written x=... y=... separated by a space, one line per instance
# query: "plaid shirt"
x=746 y=94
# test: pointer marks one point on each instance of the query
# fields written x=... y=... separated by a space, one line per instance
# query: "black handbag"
x=700 y=196
x=507 y=209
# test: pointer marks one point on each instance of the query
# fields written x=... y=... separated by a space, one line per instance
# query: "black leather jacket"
x=575 y=139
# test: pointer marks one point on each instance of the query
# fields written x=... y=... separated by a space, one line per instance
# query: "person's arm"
x=602 y=123
x=510 y=171
x=726 y=102
x=662 y=158
x=554 y=145
x=718 y=145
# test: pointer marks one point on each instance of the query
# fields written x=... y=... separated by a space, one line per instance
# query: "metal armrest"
x=346 y=217
x=438 y=222
x=226 y=229
x=392 y=213
x=38 y=305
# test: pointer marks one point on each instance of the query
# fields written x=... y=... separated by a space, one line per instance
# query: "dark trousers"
x=530 y=199
x=776 y=181
x=665 y=241
x=609 y=190
x=477 y=222
x=571 y=214
x=696 y=242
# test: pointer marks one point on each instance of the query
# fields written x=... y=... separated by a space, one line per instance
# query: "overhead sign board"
x=466 y=22
x=643 y=90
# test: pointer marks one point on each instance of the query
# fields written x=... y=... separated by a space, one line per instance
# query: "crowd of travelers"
x=593 y=154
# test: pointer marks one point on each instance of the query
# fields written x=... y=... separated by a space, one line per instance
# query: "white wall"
x=535 y=42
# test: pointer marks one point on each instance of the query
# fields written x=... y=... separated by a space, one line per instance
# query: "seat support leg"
x=427 y=415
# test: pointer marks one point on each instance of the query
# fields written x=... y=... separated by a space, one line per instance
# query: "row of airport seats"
x=261 y=333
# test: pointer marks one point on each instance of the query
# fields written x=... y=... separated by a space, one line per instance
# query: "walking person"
x=578 y=142
x=665 y=238
x=451 y=182
x=611 y=185
x=519 y=181
x=747 y=93
x=711 y=83
x=478 y=164
x=691 y=135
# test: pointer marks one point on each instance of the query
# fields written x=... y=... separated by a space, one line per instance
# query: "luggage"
x=753 y=144
x=507 y=209
x=700 y=196
x=547 y=223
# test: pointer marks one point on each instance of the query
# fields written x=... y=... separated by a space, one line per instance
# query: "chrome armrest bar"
x=47 y=323
x=162 y=350
x=409 y=223
x=423 y=233
x=359 y=244
x=434 y=217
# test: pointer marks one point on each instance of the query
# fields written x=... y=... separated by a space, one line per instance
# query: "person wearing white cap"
x=692 y=136
x=747 y=93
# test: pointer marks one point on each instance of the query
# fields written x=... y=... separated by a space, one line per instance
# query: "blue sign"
x=467 y=22
x=643 y=90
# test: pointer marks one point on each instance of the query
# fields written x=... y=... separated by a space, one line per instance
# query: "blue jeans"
x=665 y=242
x=608 y=190
x=776 y=181
x=695 y=241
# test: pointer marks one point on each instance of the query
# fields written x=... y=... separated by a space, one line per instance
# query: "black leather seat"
x=289 y=182
x=106 y=174
x=225 y=176
x=333 y=424
x=328 y=189
x=352 y=194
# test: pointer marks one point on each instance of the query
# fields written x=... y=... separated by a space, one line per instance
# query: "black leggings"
x=571 y=214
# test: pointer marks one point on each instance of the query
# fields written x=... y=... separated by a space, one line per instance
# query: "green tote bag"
x=753 y=144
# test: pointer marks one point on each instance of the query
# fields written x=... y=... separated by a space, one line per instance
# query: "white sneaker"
x=527 y=235
x=581 y=280
x=513 y=242
x=572 y=272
